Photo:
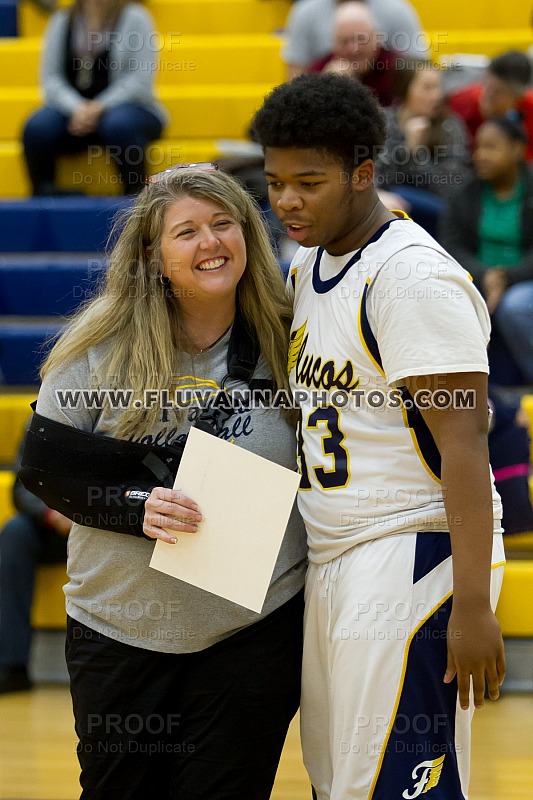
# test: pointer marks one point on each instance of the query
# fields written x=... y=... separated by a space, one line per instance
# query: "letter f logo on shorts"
x=429 y=777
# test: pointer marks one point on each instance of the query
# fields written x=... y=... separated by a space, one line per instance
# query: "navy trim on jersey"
x=320 y=286
x=424 y=441
x=428 y=450
x=366 y=331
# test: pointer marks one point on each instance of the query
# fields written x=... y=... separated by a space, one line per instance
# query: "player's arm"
x=475 y=645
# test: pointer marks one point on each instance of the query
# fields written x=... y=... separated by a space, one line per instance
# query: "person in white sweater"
x=97 y=71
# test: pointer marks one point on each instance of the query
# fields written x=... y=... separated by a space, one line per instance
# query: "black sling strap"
x=103 y=482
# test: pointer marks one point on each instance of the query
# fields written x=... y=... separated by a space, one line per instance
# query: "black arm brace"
x=88 y=478
x=102 y=482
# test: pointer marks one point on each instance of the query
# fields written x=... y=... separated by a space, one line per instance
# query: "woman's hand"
x=172 y=510
x=85 y=118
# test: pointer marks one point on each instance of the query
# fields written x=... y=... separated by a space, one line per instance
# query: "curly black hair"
x=330 y=112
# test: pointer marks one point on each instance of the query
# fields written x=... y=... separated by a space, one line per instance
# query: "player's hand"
x=475 y=650
x=172 y=510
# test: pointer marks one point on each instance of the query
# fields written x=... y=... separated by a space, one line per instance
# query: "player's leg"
x=394 y=722
x=315 y=707
x=371 y=620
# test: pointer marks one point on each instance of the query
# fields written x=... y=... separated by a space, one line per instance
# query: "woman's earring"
x=163 y=280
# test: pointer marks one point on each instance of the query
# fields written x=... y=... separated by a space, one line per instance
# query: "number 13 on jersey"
x=335 y=473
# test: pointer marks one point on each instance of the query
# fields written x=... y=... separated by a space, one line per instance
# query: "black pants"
x=199 y=726
x=121 y=137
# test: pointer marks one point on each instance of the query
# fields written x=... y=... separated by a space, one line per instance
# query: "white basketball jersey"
x=399 y=307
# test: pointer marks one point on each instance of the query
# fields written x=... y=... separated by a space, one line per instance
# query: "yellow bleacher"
x=515 y=606
x=14 y=413
x=187 y=16
x=218 y=59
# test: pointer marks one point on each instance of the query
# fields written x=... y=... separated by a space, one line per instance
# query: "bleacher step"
x=47 y=284
x=67 y=224
x=189 y=61
x=188 y=16
x=94 y=175
x=23 y=347
x=204 y=111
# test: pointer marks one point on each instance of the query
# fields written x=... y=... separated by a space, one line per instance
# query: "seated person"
x=426 y=149
x=97 y=73
x=509 y=450
x=505 y=89
x=488 y=227
x=358 y=52
x=37 y=534
x=310 y=31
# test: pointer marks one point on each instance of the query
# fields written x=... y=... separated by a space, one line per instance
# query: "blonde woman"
x=97 y=72
x=178 y=693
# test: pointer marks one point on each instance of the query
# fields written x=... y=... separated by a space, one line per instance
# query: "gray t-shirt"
x=111 y=587
x=310 y=29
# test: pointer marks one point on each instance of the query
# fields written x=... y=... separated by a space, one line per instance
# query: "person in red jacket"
x=505 y=88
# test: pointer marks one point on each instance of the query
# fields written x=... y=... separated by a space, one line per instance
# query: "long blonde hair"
x=139 y=316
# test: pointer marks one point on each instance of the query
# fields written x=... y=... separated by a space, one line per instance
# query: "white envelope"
x=246 y=501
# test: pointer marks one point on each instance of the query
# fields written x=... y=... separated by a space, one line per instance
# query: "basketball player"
x=388 y=364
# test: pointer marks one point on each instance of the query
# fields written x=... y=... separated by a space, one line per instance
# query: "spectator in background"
x=509 y=451
x=36 y=535
x=310 y=31
x=426 y=150
x=488 y=227
x=97 y=72
x=358 y=52
x=505 y=89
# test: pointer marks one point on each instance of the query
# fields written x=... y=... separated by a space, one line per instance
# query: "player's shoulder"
x=406 y=242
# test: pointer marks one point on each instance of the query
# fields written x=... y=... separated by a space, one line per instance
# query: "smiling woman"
x=203 y=257
x=164 y=676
